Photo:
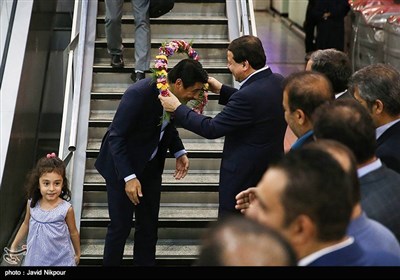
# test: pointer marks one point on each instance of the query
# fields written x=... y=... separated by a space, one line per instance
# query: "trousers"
x=113 y=30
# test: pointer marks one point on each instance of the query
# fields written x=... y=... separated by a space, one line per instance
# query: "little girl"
x=50 y=219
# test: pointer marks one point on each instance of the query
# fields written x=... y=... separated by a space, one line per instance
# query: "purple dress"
x=49 y=242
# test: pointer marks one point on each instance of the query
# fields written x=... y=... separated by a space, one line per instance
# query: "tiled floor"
x=284 y=49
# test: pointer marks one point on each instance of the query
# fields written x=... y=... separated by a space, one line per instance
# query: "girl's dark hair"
x=45 y=165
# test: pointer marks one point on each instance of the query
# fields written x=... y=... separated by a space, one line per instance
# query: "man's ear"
x=378 y=107
x=300 y=116
x=302 y=230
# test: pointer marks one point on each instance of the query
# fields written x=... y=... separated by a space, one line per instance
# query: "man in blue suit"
x=348 y=122
x=369 y=233
x=252 y=120
x=132 y=157
x=377 y=88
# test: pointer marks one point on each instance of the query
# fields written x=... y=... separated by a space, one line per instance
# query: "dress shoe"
x=117 y=61
x=137 y=76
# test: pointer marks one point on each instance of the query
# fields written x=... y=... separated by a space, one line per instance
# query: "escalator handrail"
x=72 y=93
x=7 y=41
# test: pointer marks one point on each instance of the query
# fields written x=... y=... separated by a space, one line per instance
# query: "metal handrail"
x=252 y=18
x=244 y=18
x=7 y=41
x=72 y=93
x=246 y=15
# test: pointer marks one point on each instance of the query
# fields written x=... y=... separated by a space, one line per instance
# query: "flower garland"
x=160 y=73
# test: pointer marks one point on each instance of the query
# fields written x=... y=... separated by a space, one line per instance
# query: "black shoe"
x=137 y=76
x=117 y=61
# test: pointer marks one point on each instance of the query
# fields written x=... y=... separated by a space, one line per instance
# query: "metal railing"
x=74 y=59
x=73 y=80
x=9 y=25
x=247 y=21
x=72 y=93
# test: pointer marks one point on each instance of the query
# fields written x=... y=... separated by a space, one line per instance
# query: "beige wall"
x=281 y=6
x=261 y=5
x=297 y=11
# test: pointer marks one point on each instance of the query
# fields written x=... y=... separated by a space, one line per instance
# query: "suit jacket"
x=372 y=235
x=253 y=124
x=330 y=32
x=354 y=255
x=388 y=147
x=134 y=134
x=380 y=197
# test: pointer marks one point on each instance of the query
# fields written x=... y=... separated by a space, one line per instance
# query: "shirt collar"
x=255 y=72
x=316 y=255
x=369 y=168
x=380 y=130
x=337 y=95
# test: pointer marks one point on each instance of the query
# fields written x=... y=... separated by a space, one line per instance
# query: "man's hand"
x=182 y=167
x=133 y=190
x=170 y=102
x=214 y=85
x=244 y=198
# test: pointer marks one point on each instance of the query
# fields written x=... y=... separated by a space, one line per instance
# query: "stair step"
x=203 y=44
x=187 y=8
x=176 y=252
x=171 y=19
x=92 y=187
x=103 y=115
x=191 y=145
x=118 y=95
x=212 y=56
x=168 y=212
x=181 y=8
x=205 y=167
x=102 y=64
x=118 y=80
x=194 y=177
x=104 y=109
x=169 y=200
x=169 y=30
x=97 y=131
x=172 y=233
x=113 y=81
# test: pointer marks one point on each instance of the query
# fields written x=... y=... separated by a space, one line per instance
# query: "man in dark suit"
x=336 y=66
x=132 y=157
x=304 y=92
x=309 y=30
x=349 y=122
x=329 y=16
x=377 y=87
x=252 y=120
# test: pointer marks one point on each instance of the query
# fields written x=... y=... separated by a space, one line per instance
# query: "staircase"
x=187 y=205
